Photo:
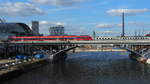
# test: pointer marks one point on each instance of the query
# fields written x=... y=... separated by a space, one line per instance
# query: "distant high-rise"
x=94 y=35
x=35 y=27
x=57 y=30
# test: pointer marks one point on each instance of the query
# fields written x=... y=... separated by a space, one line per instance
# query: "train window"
x=82 y=38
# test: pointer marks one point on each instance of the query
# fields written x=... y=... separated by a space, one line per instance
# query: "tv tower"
x=123 y=32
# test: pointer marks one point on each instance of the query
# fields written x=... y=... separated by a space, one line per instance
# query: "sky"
x=81 y=17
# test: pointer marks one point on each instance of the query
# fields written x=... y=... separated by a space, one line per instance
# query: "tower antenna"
x=123 y=34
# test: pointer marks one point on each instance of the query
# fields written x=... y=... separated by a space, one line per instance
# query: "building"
x=35 y=27
x=57 y=30
x=15 y=29
x=12 y=29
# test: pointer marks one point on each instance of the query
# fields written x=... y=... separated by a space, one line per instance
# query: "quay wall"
x=17 y=70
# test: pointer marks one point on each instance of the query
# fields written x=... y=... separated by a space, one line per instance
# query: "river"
x=89 y=68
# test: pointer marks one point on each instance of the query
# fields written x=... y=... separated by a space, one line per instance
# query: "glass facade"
x=17 y=29
x=56 y=31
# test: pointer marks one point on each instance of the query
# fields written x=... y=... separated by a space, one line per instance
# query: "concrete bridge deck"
x=132 y=42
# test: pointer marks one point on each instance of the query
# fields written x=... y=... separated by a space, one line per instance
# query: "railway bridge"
x=137 y=46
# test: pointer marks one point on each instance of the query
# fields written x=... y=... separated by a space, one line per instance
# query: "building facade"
x=35 y=27
x=15 y=29
x=57 y=30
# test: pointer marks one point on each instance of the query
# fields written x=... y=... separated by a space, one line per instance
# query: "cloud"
x=51 y=23
x=104 y=2
x=19 y=9
x=61 y=9
x=45 y=25
x=108 y=25
x=76 y=30
x=107 y=32
x=139 y=24
x=57 y=2
x=118 y=12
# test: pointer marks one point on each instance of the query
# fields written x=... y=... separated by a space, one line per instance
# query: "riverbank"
x=98 y=50
x=16 y=70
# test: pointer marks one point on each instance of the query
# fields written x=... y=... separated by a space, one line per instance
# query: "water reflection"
x=89 y=68
x=59 y=68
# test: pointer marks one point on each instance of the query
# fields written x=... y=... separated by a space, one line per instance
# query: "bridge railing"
x=124 y=38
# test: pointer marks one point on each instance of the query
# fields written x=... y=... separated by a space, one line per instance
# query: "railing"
x=13 y=63
x=124 y=38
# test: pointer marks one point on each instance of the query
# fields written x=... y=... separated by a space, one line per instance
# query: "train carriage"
x=49 y=38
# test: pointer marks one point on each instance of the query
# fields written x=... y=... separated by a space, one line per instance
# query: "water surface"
x=89 y=68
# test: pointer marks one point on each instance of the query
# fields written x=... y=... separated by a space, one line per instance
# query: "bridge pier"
x=74 y=50
x=59 y=57
x=138 y=54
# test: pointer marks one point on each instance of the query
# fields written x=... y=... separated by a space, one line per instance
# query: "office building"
x=35 y=27
x=57 y=30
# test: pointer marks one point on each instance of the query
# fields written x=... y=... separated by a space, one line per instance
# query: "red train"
x=147 y=35
x=50 y=38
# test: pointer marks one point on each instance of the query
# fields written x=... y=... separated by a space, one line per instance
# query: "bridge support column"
x=59 y=57
x=135 y=57
x=57 y=54
x=137 y=54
